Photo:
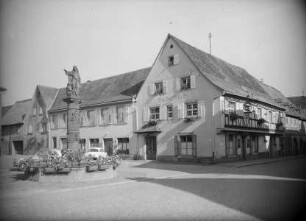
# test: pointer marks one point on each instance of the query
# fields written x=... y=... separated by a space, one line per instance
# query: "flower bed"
x=53 y=164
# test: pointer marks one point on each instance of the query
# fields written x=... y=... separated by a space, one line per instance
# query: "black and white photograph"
x=152 y=110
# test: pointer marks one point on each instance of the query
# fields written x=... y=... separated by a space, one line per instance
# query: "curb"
x=269 y=161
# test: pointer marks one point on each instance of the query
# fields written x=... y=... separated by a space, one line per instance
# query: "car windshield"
x=93 y=150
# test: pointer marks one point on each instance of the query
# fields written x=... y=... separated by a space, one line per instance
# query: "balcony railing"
x=249 y=123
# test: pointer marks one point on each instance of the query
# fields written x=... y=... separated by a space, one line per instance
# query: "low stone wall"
x=74 y=175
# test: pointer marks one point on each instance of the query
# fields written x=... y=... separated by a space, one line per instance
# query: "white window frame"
x=154 y=115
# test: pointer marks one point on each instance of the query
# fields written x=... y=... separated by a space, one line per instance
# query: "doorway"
x=151 y=147
x=108 y=145
x=18 y=147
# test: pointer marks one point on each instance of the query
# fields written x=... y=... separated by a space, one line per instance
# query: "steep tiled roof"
x=5 y=109
x=48 y=94
x=106 y=90
x=17 y=112
x=282 y=100
x=229 y=78
x=299 y=101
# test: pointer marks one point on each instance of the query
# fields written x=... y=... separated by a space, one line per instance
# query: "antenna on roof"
x=261 y=80
x=303 y=93
x=209 y=37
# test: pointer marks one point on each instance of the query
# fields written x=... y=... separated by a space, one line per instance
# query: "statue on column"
x=74 y=81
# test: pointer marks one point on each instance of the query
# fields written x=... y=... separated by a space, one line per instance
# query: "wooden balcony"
x=249 y=123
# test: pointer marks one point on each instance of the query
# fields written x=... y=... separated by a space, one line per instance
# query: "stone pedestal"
x=73 y=122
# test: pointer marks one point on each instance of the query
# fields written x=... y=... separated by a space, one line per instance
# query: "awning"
x=148 y=128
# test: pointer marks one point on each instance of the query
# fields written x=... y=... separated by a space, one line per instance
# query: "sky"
x=40 y=38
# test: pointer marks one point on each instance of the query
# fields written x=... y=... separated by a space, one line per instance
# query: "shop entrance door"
x=151 y=147
x=108 y=144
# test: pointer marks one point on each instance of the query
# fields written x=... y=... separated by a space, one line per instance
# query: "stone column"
x=73 y=122
x=73 y=101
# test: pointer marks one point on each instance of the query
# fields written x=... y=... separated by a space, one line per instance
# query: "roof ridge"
x=207 y=54
x=114 y=76
x=25 y=100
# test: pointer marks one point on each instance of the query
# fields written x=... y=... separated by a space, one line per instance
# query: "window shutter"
x=201 y=109
x=126 y=114
x=194 y=145
x=114 y=115
x=192 y=81
x=178 y=84
x=146 y=113
x=176 y=145
x=176 y=59
x=163 y=112
x=152 y=89
x=181 y=110
x=165 y=87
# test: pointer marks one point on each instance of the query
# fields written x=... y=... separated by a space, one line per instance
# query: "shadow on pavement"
x=264 y=199
x=291 y=168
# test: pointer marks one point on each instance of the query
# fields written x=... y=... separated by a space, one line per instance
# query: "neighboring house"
x=194 y=106
x=13 y=128
x=107 y=113
x=2 y=91
x=36 y=120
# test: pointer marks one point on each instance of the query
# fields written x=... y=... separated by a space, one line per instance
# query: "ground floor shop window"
x=187 y=145
x=254 y=148
x=94 y=142
x=64 y=143
x=123 y=145
x=231 y=146
x=82 y=144
x=54 y=140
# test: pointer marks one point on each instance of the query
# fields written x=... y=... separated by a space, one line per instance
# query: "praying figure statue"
x=74 y=81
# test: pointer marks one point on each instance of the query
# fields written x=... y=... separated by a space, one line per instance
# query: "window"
x=123 y=145
x=30 y=129
x=270 y=117
x=94 y=142
x=40 y=111
x=192 y=109
x=91 y=116
x=34 y=111
x=82 y=144
x=259 y=113
x=159 y=88
x=54 y=141
x=169 y=112
x=231 y=147
x=231 y=106
x=63 y=120
x=187 y=145
x=185 y=83
x=154 y=113
x=171 y=60
x=54 y=122
x=64 y=143
x=121 y=114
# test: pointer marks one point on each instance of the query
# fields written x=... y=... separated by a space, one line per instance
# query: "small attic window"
x=171 y=46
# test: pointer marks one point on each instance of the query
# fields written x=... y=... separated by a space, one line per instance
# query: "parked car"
x=95 y=152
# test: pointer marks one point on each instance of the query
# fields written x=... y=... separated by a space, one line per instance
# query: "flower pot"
x=65 y=170
x=102 y=167
x=49 y=170
x=91 y=168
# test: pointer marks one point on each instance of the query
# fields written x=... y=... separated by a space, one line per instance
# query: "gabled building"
x=107 y=114
x=13 y=127
x=294 y=139
x=36 y=120
x=195 y=106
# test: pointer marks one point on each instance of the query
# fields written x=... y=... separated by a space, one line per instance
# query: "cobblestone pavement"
x=147 y=190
